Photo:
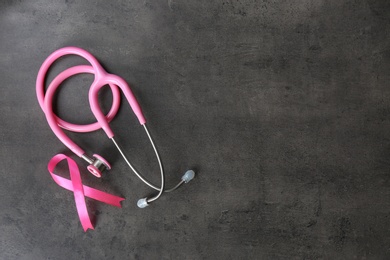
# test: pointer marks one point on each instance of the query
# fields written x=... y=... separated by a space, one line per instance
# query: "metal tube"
x=138 y=174
x=87 y=158
x=161 y=168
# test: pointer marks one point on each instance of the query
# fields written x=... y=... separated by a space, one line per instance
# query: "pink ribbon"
x=80 y=190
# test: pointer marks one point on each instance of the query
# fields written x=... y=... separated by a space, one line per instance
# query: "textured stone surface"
x=282 y=107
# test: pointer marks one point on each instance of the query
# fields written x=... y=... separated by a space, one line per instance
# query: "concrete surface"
x=282 y=107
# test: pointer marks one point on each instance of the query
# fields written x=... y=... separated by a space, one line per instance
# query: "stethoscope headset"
x=97 y=164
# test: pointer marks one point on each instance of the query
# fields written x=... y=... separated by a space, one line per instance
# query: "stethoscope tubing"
x=101 y=79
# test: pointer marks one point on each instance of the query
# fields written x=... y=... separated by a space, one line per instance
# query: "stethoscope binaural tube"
x=97 y=164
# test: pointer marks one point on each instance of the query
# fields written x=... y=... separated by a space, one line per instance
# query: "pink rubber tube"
x=102 y=78
x=57 y=82
x=56 y=123
x=93 y=100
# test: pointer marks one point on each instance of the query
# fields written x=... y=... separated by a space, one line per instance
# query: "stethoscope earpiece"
x=142 y=203
x=97 y=164
x=186 y=178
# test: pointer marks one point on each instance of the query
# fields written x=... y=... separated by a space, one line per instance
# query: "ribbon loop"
x=79 y=190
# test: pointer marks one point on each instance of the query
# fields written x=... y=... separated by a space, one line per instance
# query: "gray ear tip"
x=142 y=203
x=188 y=176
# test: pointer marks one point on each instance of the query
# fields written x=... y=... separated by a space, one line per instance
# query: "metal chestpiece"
x=98 y=165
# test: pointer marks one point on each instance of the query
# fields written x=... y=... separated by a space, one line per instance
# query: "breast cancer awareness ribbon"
x=80 y=190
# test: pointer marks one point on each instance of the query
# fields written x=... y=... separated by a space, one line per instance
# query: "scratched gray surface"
x=282 y=107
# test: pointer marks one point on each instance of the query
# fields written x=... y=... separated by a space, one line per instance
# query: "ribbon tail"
x=79 y=197
x=103 y=197
x=82 y=211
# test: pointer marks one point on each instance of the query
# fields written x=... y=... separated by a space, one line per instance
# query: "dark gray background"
x=282 y=107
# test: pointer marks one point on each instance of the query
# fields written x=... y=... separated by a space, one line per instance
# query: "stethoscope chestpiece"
x=98 y=166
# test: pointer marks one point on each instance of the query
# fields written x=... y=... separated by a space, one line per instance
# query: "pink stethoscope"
x=97 y=164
